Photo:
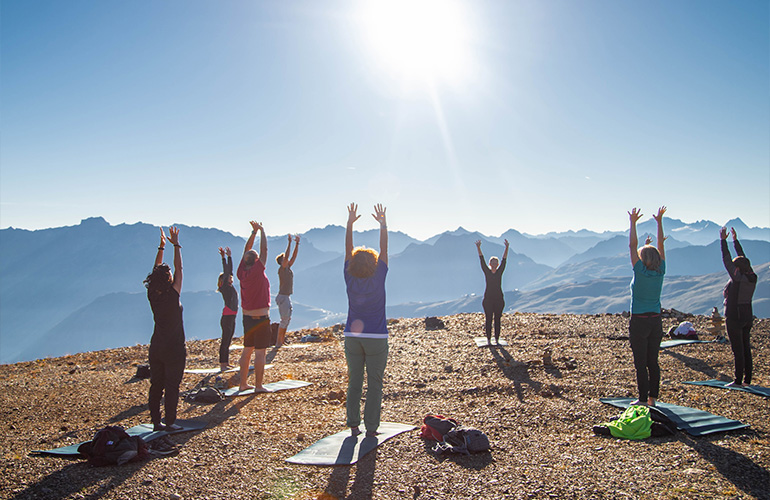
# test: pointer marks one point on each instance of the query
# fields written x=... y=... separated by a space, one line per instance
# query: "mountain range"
x=77 y=288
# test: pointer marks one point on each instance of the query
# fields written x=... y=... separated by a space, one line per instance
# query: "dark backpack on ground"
x=434 y=323
x=436 y=426
x=142 y=371
x=206 y=395
x=113 y=446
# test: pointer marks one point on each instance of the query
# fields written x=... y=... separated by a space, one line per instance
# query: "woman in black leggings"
x=230 y=310
x=167 y=346
x=739 y=315
x=494 y=301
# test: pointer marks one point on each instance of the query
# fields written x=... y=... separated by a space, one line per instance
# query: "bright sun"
x=424 y=40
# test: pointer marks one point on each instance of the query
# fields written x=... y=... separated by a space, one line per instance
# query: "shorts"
x=284 y=308
x=256 y=332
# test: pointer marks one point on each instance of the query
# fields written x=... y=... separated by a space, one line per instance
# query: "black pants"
x=228 y=329
x=166 y=371
x=739 y=332
x=645 y=334
x=493 y=309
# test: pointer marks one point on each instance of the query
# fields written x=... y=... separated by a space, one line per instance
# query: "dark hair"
x=743 y=264
x=279 y=259
x=250 y=257
x=157 y=281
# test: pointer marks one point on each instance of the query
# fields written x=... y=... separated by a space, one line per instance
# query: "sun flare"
x=424 y=40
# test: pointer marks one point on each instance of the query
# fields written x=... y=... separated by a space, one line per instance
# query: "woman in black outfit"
x=739 y=315
x=494 y=301
x=230 y=310
x=167 y=347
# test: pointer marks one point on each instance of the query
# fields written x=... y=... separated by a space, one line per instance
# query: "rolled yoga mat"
x=693 y=421
x=344 y=449
x=676 y=342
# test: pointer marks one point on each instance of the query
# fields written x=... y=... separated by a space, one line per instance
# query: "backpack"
x=205 y=395
x=685 y=330
x=434 y=323
x=142 y=371
x=634 y=423
x=462 y=439
x=435 y=427
x=111 y=446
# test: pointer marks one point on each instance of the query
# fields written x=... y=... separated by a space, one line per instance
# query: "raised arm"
x=736 y=244
x=250 y=242
x=379 y=216
x=352 y=217
x=161 y=246
x=227 y=264
x=293 y=255
x=262 y=245
x=481 y=256
x=727 y=259
x=505 y=253
x=285 y=261
x=633 y=241
x=661 y=238
x=173 y=238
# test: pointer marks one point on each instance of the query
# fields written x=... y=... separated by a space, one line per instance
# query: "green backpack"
x=633 y=423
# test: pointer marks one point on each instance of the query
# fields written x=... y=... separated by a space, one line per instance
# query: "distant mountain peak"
x=94 y=221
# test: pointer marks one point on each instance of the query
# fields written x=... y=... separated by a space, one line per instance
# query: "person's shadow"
x=365 y=467
x=518 y=373
x=693 y=363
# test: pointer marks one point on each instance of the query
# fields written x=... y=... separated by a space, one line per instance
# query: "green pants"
x=372 y=355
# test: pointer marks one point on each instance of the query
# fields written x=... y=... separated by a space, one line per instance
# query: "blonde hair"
x=650 y=257
x=363 y=262
x=220 y=280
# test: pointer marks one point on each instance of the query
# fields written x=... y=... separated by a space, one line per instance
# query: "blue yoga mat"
x=753 y=389
x=676 y=342
x=273 y=386
x=692 y=421
x=344 y=449
x=142 y=430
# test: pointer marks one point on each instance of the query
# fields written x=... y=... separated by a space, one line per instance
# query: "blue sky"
x=548 y=115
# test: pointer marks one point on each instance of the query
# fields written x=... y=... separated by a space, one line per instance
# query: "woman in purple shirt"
x=366 y=329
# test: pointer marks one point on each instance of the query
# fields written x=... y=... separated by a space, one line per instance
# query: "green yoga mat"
x=482 y=342
x=273 y=386
x=142 y=430
x=692 y=421
x=753 y=389
x=344 y=449
x=676 y=342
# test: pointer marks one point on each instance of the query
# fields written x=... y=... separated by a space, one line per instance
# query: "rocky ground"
x=538 y=418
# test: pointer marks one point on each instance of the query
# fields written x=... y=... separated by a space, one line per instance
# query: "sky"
x=487 y=114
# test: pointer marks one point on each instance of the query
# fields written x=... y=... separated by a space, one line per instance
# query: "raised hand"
x=478 y=243
x=221 y=252
x=255 y=226
x=659 y=218
x=723 y=233
x=635 y=214
x=296 y=238
x=732 y=231
x=379 y=214
x=506 y=243
x=352 y=217
x=173 y=235
x=162 y=239
x=289 y=235
x=227 y=251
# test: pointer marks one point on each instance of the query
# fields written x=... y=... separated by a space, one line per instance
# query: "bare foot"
x=355 y=431
x=371 y=433
x=650 y=401
x=245 y=388
x=224 y=367
x=262 y=389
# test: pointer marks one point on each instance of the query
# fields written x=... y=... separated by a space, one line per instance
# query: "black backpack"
x=113 y=446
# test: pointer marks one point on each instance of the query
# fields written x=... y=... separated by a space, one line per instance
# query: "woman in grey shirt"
x=286 y=288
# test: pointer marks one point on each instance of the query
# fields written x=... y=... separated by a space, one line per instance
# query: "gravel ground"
x=538 y=418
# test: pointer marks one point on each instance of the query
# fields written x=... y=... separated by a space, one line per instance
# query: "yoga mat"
x=235 y=347
x=214 y=371
x=274 y=386
x=692 y=421
x=753 y=389
x=676 y=342
x=344 y=449
x=482 y=342
x=295 y=346
x=142 y=430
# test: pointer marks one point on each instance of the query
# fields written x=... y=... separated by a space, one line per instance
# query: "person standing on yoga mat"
x=739 y=315
x=366 y=329
x=230 y=310
x=255 y=304
x=167 y=347
x=286 y=288
x=494 y=300
x=645 y=329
